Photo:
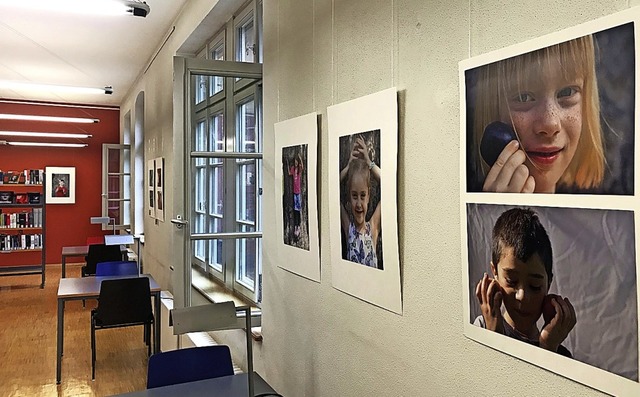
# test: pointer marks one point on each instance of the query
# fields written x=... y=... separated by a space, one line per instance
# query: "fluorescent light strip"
x=19 y=85
x=92 y=7
x=48 y=144
x=43 y=134
x=28 y=117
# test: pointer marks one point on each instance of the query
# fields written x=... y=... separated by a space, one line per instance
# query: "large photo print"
x=362 y=188
x=559 y=119
x=561 y=279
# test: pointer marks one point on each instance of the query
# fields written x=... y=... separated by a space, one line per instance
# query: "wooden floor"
x=28 y=318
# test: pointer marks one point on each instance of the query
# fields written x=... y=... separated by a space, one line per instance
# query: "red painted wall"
x=66 y=224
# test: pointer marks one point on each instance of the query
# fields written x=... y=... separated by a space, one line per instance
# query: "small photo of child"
x=295 y=210
x=559 y=119
x=60 y=185
x=360 y=211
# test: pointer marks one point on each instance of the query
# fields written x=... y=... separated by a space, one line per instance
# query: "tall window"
x=226 y=161
x=116 y=184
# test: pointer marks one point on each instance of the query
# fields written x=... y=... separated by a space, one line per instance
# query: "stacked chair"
x=100 y=253
x=123 y=302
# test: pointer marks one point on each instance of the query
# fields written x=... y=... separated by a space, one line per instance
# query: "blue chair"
x=189 y=365
x=117 y=268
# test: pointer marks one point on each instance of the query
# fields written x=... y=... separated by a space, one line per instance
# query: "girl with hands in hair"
x=361 y=233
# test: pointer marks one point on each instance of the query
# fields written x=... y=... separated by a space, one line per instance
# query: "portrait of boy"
x=561 y=279
x=521 y=274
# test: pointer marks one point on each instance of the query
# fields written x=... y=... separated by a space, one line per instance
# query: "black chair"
x=189 y=365
x=100 y=253
x=122 y=302
x=117 y=268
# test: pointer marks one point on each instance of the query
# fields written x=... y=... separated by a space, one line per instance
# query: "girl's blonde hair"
x=359 y=167
x=576 y=58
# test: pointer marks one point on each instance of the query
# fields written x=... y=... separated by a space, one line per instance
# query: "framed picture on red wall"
x=61 y=185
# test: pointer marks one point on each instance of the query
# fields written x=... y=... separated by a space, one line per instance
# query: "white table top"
x=87 y=286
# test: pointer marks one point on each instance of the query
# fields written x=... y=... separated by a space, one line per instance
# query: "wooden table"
x=79 y=250
x=89 y=288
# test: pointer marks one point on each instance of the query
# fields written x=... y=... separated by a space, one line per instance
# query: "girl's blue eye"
x=511 y=283
x=523 y=97
x=566 y=92
x=537 y=289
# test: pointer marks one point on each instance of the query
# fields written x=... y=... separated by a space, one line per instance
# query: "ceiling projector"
x=138 y=8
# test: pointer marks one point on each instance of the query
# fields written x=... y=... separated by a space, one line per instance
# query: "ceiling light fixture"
x=47 y=144
x=57 y=119
x=44 y=134
x=94 y=7
x=19 y=85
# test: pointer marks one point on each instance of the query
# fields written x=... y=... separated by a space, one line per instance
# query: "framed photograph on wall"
x=159 y=188
x=548 y=202
x=363 y=148
x=151 y=190
x=61 y=185
x=296 y=142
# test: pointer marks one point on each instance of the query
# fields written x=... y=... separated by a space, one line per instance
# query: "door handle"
x=179 y=222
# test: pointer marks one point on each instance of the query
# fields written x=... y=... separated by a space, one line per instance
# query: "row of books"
x=10 y=242
x=26 y=177
x=10 y=197
x=31 y=218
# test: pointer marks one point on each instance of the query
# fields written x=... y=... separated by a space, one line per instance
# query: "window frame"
x=124 y=190
x=238 y=76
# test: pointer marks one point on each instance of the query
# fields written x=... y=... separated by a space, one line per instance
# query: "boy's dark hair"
x=520 y=229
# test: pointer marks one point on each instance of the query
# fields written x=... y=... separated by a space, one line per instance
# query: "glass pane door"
x=222 y=160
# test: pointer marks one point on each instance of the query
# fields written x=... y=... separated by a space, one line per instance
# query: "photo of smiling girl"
x=360 y=210
x=555 y=120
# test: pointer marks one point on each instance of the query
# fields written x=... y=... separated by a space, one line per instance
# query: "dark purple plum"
x=495 y=137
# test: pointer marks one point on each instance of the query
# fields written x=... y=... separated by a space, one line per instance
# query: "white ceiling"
x=51 y=47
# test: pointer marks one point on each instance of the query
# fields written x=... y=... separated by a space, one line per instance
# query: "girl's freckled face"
x=546 y=113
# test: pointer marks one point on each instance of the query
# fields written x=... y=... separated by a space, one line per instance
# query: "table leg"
x=60 y=340
x=156 y=325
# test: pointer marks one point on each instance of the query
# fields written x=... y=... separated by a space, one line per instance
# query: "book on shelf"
x=33 y=177
x=34 y=198
x=37 y=217
x=12 y=177
x=27 y=177
x=21 y=198
x=11 y=197
x=6 y=197
x=24 y=219
x=11 y=242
